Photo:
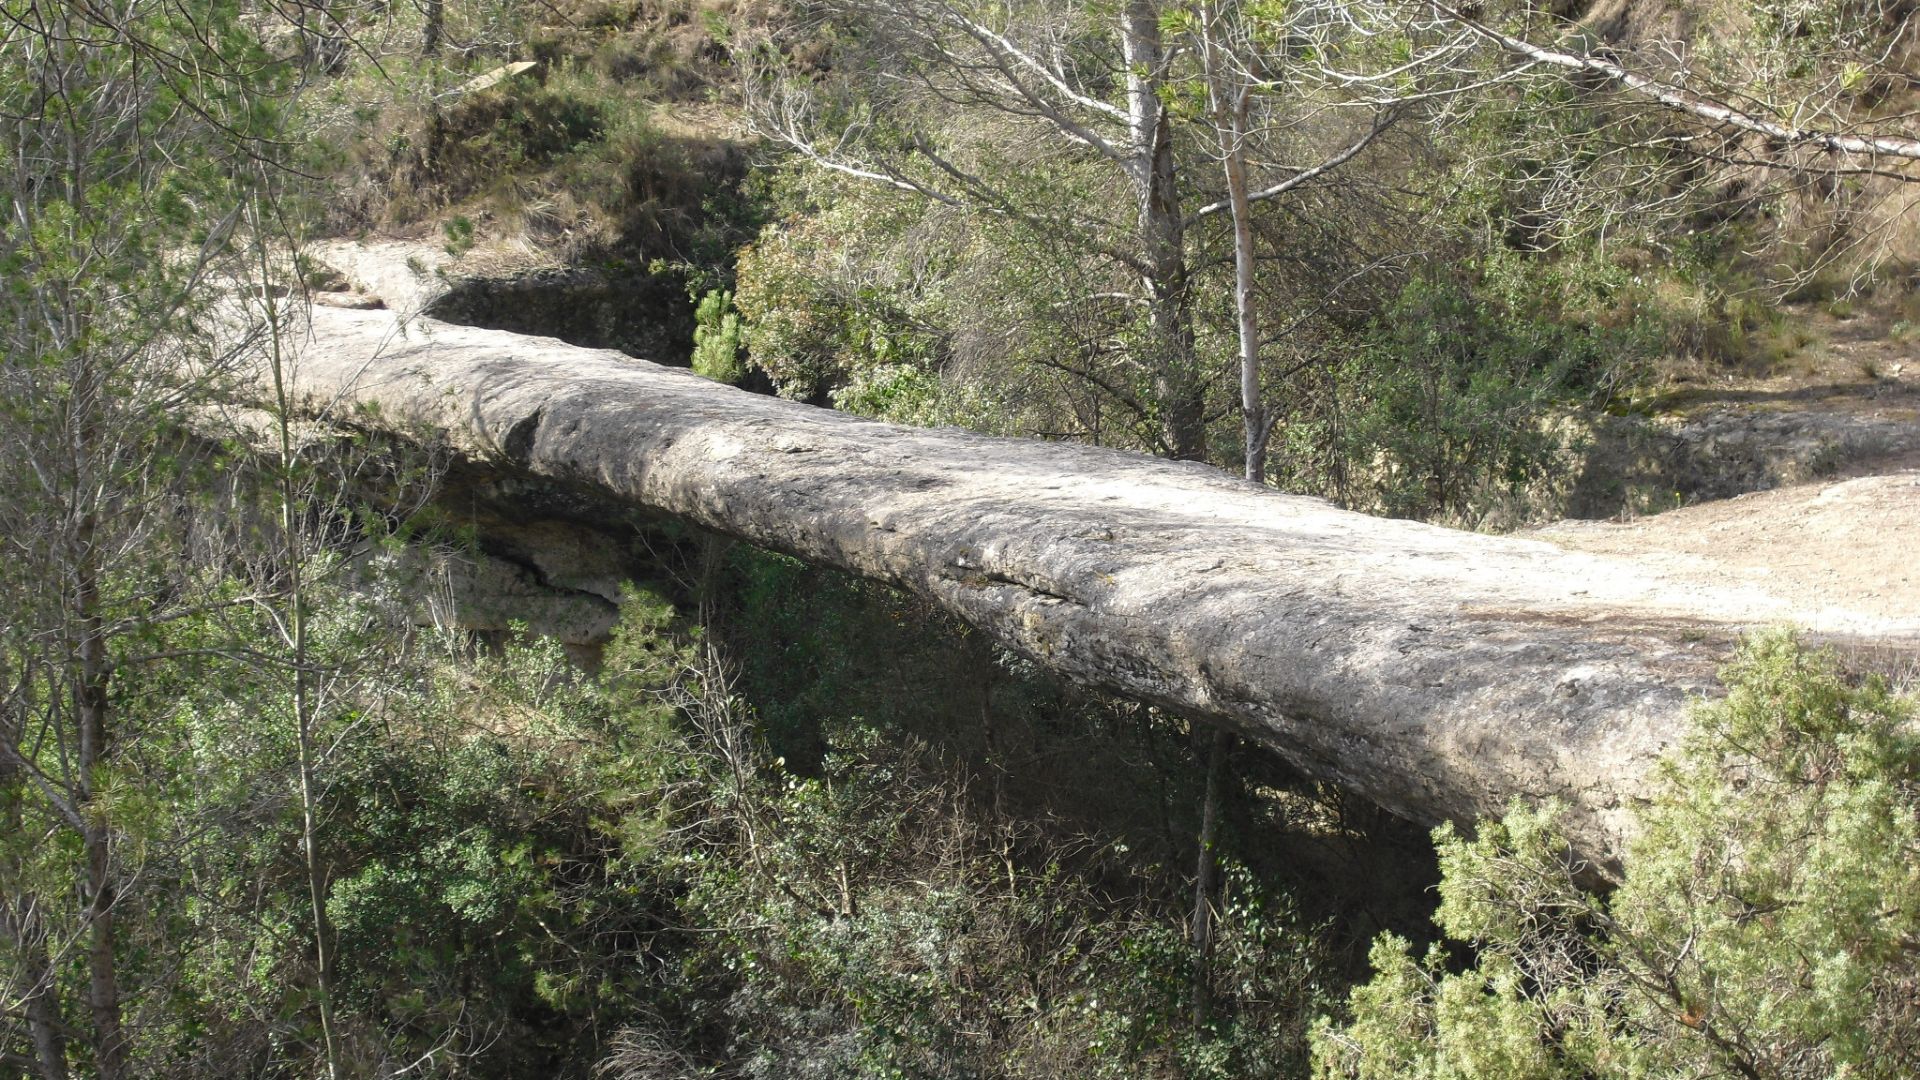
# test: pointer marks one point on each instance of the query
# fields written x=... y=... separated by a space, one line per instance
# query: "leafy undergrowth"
x=876 y=849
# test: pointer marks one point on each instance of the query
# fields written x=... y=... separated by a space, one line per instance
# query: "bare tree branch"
x=1692 y=102
x=1304 y=176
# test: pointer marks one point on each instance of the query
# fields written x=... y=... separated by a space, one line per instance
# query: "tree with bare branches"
x=1089 y=85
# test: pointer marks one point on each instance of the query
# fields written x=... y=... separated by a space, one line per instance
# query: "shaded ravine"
x=1436 y=672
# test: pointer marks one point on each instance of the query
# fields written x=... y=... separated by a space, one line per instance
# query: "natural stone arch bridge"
x=1437 y=672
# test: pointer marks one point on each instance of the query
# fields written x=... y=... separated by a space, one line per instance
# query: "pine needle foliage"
x=1766 y=928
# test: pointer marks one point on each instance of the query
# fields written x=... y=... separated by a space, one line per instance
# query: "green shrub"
x=1450 y=395
x=459 y=234
x=1766 y=927
x=817 y=317
x=718 y=339
x=879 y=928
x=516 y=125
x=492 y=843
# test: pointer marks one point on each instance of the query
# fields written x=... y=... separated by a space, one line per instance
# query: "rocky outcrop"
x=473 y=590
x=1437 y=672
x=624 y=308
x=1638 y=464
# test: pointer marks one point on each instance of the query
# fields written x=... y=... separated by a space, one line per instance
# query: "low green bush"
x=1768 y=926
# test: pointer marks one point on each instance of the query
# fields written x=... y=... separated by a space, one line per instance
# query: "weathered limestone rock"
x=472 y=590
x=1437 y=672
x=638 y=313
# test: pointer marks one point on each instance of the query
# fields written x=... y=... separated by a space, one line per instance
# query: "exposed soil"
x=1855 y=387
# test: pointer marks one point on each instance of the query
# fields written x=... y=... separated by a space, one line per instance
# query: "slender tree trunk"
x=1230 y=100
x=1179 y=390
x=20 y=923
x=85 y=660
x=91 y=706
x=1253 y=410
x=316 y=874
x=435 y=12
x=103 y=983
x=293 y=551
x=43 y=1016
x=310 y=829
x=1205 y=877
x=1178 y=384
x=1231 y=108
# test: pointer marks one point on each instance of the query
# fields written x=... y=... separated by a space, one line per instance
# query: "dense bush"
x=487 y=821
x=528 y=870
x=876 y=923
x=1447 y=403
x=1765 y=929
x=939 y=865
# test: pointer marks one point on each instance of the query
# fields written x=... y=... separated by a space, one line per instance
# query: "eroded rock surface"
x=1842 y=544
x=1437 y=672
